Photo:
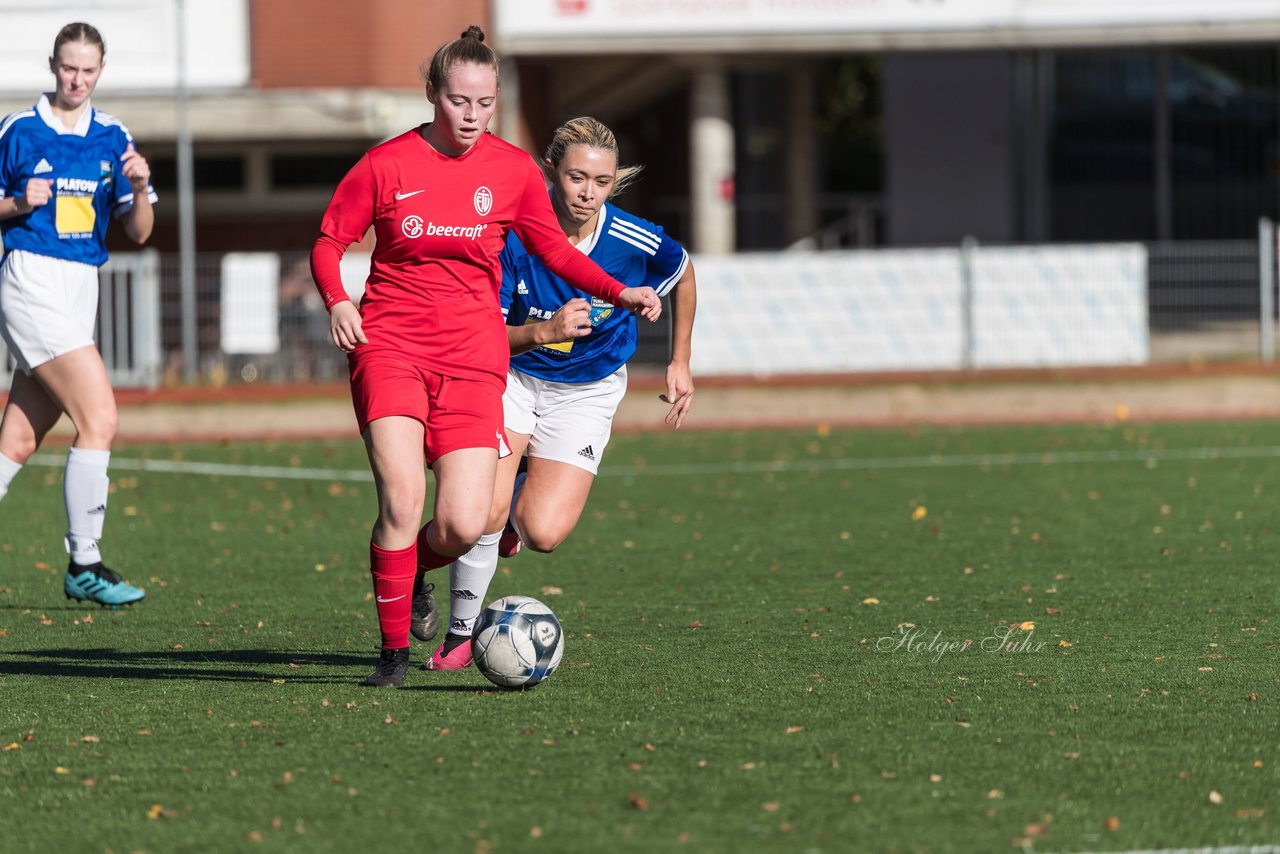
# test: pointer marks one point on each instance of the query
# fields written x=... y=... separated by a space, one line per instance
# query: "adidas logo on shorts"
x=588 y=453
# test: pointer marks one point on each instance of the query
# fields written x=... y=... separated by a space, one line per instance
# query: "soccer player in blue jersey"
x=65 y=169
x=568 y=372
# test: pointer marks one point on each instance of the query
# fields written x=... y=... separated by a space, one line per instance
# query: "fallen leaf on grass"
x=770 y=806
x=61 y=770
x=637 y=803
x=155 y=811
x=1027 y=626
x=90 y=739
x=13 y=746
x=1250 y=812
x=871 y=600
x=794 y=729
x=1112 y=823
x=1215 y=798
x=551 y=590
x=919 y=513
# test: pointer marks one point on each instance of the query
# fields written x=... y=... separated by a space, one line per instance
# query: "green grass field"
x=765 y=651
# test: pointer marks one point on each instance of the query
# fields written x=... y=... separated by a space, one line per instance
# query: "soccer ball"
x=517 y=642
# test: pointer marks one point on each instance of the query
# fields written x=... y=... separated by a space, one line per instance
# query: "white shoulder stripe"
x=670 y=282
x=626 y=238
x=636 y=231
x=13 y=118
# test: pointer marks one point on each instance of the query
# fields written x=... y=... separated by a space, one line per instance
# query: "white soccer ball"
x=517 y=642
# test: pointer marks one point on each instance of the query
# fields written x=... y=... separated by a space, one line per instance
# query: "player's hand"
x=345 y=326
x=643 y=301
x=679 y=392
x=136 y=169
x=571 y=320
x=38 y=193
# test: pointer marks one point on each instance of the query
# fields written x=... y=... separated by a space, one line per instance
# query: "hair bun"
x=474 y=32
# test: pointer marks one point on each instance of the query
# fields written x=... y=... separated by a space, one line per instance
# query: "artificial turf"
x=766 y=650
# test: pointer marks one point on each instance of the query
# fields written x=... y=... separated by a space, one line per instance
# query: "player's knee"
x=402 y=509
x=20 y=448
x=457 y=536
x=544 y=541
x=100 y=427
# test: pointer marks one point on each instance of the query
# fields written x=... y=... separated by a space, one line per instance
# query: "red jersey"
x=440 y=224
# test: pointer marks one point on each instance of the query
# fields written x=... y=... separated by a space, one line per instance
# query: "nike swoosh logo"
x=393 y=599
x=403 y=196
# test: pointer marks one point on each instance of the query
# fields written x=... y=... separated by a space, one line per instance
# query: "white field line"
x=936 y=461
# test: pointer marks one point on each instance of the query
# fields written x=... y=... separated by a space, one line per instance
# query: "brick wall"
x=350 y=43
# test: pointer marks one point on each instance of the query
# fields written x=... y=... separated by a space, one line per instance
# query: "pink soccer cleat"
x=459 y=659
x=510 y=544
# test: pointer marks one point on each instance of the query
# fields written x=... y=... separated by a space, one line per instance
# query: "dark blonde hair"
x=469 y=47
x=593 y=133
x=77 y=32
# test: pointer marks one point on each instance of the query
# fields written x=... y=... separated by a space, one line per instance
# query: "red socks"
x=393 y=574
x=429 y=558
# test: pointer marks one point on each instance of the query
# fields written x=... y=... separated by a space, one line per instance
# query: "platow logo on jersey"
x=484 y=201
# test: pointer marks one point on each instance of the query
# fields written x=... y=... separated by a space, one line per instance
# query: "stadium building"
x=764 y=123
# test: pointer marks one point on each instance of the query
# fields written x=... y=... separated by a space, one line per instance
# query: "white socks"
x=469 y=578
x=8 y=471
x=84 y=489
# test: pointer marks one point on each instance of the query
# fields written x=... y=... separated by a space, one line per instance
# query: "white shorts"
x=566 y=422
x=48 y=306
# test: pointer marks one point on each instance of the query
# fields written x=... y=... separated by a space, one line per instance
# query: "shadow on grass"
x=207 y=665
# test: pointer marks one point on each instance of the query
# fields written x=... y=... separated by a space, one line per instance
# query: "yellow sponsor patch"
x=75 y=214
x=562 y=347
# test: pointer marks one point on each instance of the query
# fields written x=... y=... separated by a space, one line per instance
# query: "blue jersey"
x=632 y=250
x=88 y=183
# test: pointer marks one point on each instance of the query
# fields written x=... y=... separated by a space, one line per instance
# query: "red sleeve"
x=348 y=217
x=539 y=230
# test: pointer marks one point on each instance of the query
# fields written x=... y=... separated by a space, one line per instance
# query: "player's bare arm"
x=571 y=320
x=642 y=301
x=140 y=219
x=684 y=302
x=37 y=194
x=345 y=326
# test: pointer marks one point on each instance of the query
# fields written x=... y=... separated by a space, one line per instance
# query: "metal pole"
x=186 y=211
x=968 y=247
x=1267 y=290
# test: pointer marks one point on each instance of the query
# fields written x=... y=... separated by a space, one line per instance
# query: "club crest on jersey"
x=599 y=311
x=105 y=170
x=484 y=201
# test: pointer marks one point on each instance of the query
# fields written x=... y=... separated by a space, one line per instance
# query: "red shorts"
x=455 y=413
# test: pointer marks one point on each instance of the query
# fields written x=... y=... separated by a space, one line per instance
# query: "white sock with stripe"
x=84 y=489
x=469 y=578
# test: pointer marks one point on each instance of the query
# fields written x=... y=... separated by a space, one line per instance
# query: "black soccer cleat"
x=390 y=670
x=424 y=619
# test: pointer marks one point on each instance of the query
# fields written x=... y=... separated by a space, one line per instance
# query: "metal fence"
x=1205 y=300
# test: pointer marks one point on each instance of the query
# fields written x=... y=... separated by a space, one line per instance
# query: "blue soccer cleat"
x=98 y=584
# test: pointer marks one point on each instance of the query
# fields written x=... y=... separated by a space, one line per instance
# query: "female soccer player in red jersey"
x=427 y=347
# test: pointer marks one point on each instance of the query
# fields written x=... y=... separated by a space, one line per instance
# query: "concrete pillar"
x=711 y=169
x=802 y=152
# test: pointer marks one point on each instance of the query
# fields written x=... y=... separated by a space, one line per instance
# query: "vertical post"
x=1162 y=145
x=968 y=248
x=1267 y=289
x=186 y=210
x=712 y=169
